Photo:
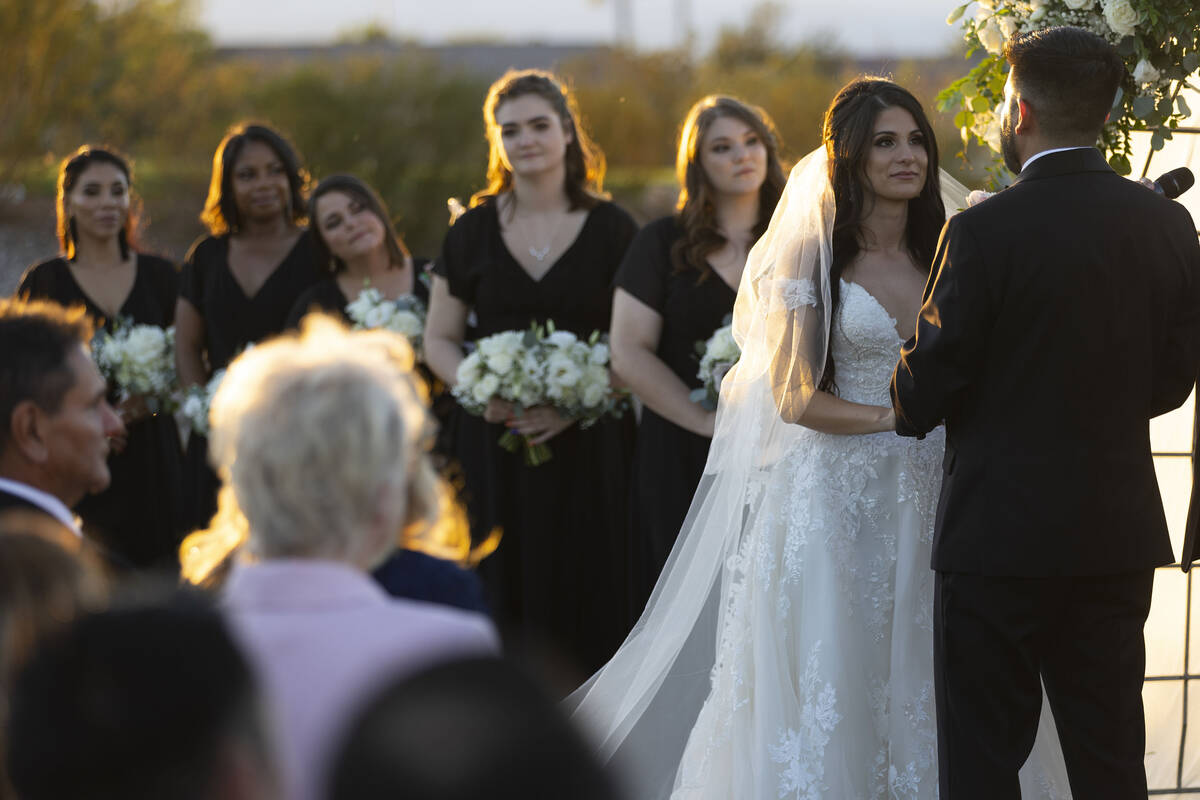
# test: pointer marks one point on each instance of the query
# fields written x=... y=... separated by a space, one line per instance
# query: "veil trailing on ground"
x=641 y=707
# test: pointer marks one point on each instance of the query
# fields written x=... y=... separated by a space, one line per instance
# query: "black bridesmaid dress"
x=137 y=518
x=668 y=460
x=231 y=321
x=557 y=582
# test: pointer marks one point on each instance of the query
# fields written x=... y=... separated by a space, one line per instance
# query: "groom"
x=1061 y=315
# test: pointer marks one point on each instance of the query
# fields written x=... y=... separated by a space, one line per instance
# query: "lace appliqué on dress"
x=791 y=293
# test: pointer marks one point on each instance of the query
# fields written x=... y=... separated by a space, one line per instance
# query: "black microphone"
x=1174 y=183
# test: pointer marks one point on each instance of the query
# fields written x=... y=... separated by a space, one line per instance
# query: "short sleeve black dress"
x=231 y=321
x=558 y=578
x=137 y=517
x=668 y=459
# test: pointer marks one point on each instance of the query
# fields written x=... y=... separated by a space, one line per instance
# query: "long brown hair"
x=585 y=165
x=695 y=210
x=68 y=175
x=848 y=131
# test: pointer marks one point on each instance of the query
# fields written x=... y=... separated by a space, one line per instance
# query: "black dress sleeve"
x=646 y=268
x=38 y=282
x=192 y=276
x=460 y=250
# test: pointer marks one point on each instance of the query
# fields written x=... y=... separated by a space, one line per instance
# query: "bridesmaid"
x=356 y=243
x=240 y=281
x=136 y=518
x=540 y=243
x=676 y=286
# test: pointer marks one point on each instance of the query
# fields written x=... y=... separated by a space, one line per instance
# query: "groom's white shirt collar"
x=1034 y=158
x=43 y=500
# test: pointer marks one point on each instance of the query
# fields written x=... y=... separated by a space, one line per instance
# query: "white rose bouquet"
x=540 y=366
x=139 y=360
x=404 y=315
x=1159 y=41
x=717 y=355
x=197 y=400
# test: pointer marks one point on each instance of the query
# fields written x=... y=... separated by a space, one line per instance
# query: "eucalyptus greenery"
x=1158 y=39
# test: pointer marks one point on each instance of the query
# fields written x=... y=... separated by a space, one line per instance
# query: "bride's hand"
x=887 y=422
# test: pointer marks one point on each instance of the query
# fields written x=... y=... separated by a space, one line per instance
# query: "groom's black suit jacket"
x=1060 y=316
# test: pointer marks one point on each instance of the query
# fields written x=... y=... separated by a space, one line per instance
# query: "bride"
x=787 y=649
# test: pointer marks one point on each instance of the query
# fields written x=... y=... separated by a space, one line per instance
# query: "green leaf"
x=963 y=119
x=1120 y=163
x=1127 y=46
x=1156 y=141
x=1119 y=98
x=1183 y=106
x=1143 y=106
x=956 y=14
x=980 y=104
x=1190 y=62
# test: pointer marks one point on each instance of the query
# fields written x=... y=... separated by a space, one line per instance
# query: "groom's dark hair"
x=1069 y=76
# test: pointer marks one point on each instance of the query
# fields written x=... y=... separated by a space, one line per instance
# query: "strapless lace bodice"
x=865 y=347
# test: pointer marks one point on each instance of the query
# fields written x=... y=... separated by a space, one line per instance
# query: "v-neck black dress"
x=668 y=459
x=137 y=516
x=231 y=321
x=558 y=578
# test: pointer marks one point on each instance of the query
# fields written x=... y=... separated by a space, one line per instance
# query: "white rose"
x=977 y=196
x=500 y=362
x=593 y=394
x=1121 y=17
x=487 y=386
x=530 y=394
x=145 y=344
x=561 y=371
x=1076 y=5
x=1145 y=72
x=407 y=323
x=1008 y=25
x=598 y=354
x=468 y=369
x=991 y=134
x=561 y=339
x=376 y=317
x=1039 y=13
x=990 y=5
x=991 y=37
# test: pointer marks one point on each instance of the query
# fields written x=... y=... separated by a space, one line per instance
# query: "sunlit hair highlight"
x=308 y=431
x=848 y=133
x=358 y=190
x=69 y=172
x=584 y=161
x=696 y=209
x=221 y=215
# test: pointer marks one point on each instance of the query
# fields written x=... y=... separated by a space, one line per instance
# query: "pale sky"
x=865 y=27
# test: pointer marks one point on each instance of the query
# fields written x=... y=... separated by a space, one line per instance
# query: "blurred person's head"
x=348 y=220
x=727 y=149
x=1061 y=85
x=533 y=128
x=95 y=199
x=136 y=703
x=321 y=437
x=55 y=422
x=46 y=580
x=257 y=177
x=466 y=730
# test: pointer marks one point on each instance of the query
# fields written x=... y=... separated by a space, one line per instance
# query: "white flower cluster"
x=539 y=367
x=717 y=355
x=404 y=315
x=138 y=360
x=997 y=20
x=197 y=400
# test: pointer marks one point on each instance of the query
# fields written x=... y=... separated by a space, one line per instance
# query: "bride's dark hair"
x=848 y=131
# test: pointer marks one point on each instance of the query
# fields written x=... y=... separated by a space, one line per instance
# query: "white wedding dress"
x=787 y=651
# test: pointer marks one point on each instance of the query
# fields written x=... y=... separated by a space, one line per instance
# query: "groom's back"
x=1089 y=278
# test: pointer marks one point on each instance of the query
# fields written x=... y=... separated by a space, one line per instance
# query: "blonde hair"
x=310 y=433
